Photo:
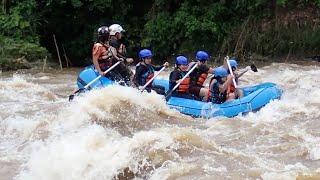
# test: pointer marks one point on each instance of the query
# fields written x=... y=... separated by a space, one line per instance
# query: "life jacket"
x=147 y=76
x=197 y=77
x=184 y=85
x=231 y=88
x=202 y=77
x=104 y=58
x=120 y=48
x=217 y=97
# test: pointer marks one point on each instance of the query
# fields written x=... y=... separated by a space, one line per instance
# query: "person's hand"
x=230 y=77
x=102 y=73
x=166 y=64
x=179 y=81
x=129 y=60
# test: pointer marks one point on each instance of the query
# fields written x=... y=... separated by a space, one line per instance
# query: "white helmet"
x=115 y=28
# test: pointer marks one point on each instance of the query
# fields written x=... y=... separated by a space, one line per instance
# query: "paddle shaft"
x=177 y=85
x=105 y=72
x=90 y=83
x=153 y=78
x=231 y=72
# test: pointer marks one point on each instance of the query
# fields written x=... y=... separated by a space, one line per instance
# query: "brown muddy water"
x=119 y=133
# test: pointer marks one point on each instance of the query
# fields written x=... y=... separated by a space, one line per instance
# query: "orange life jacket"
x=149 y=77
x=202 y=78
x=231 y=89
x=184 y=85
x=104 y=57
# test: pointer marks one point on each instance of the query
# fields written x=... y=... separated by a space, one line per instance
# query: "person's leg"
x=114 y=76
x=204 y=93
x=239 y=93
x=127 y=74
x=195 y=91
x=184 y=95
x=231 y=97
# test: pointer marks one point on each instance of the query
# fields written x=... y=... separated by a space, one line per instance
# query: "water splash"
x=120 y=133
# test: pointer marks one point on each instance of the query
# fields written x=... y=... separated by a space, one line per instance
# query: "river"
x=117 y=132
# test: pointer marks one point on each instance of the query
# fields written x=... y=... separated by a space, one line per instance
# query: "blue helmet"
x=233 y=63
x=220 y=72
x=202 y=56
x=181 y=60
x=144 y=53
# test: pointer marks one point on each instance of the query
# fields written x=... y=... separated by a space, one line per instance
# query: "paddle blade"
x=71 y=97
x=254 y=68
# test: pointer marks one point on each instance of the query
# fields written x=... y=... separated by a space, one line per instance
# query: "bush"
x=17 y=53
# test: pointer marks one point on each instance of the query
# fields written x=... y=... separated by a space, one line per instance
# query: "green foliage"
x=18 y=48
x=281 y=2
x=20 y=21
x=166 y=26
x=15 y=54
x=188 y=28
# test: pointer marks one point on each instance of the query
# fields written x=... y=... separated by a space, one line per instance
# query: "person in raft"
x=145 y=71
x=102 y=55
x=199 y=75
x=219 y=86
x=176 y=76
x=234 y=67
x=119 y=53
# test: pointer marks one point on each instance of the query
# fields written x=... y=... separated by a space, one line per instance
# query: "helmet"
x=220 y=72
x=233 y=63
x=145 y=53
x=181 y=60
x=202 y=56
x=115 y=28
x=103 y=30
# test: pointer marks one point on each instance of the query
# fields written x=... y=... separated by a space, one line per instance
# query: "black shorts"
x=195 y=90
x=183 y=95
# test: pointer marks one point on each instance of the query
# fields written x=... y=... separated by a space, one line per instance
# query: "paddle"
x=90 y=83
x=168 y=94
x=254 y=68
x=152 y=78
x=231 y=72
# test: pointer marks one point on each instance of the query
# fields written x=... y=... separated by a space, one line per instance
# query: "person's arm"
x=114 y=53
x=158 y=68
x=174 y=77
x=212 y=83
x=117 y=55
x=225 y=85
x=95 y=55
x=211 y=70
x=137 y=75
x=243 y=72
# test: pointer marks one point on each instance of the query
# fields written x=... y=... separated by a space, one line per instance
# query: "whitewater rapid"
x=120 y=133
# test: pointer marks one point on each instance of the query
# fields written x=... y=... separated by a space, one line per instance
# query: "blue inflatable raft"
x=255 y=97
